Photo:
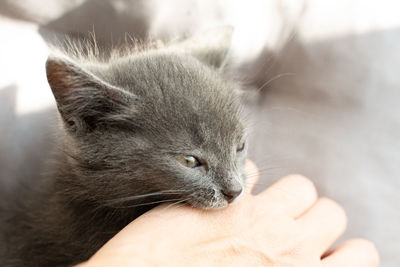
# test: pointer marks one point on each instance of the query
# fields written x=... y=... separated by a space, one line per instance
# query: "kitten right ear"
x=210 y=47
x=83 y=99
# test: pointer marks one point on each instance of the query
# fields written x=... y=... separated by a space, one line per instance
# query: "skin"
x=286 y=225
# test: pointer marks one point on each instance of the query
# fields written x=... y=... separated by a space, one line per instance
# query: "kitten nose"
x=231 y=193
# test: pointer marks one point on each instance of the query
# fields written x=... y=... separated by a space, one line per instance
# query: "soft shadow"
x=25 y=142
x=336 y=120
x=124 y=19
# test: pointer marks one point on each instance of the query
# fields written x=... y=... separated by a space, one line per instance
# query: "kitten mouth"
x=213 y=200
x=213 y=203
x=214 y=206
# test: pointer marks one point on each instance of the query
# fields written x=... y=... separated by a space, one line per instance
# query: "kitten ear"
x=210 y=47
x=83 y=99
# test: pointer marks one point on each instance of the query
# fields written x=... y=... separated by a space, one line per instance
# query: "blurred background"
x=323 y=79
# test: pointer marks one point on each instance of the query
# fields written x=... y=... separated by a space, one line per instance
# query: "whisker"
x=175 y=203
x=181 y=205
x=273 y=79
x=261 y=173
x=129 y=198
x=258 y=184
x=150 y=203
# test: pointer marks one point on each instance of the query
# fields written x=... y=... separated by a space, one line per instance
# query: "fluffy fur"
x=126 y=121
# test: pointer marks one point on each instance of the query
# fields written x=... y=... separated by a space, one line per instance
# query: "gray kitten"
x=150 y=126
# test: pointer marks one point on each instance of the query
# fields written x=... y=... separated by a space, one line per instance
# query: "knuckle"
x=250 y=166
x=303 y=182
x=334 y=207
x=369 y=250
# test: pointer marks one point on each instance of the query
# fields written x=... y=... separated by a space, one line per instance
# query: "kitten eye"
x=240 y=147
x=189 y=161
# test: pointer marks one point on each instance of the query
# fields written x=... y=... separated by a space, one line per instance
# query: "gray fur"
x=124 y=122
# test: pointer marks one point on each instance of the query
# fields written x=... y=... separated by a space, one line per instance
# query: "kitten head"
x=162 y=123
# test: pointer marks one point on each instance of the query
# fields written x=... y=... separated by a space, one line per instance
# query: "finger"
x=252 y=176
x=292 y=195
x=353 y=253
x=323 y=224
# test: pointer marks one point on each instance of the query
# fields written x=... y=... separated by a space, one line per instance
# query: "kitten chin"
x=139 y=128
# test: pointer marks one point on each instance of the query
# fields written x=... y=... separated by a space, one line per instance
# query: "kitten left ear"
x=83 y=99
x=210 y=47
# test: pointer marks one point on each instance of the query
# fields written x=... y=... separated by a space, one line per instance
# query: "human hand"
x=286 y=225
